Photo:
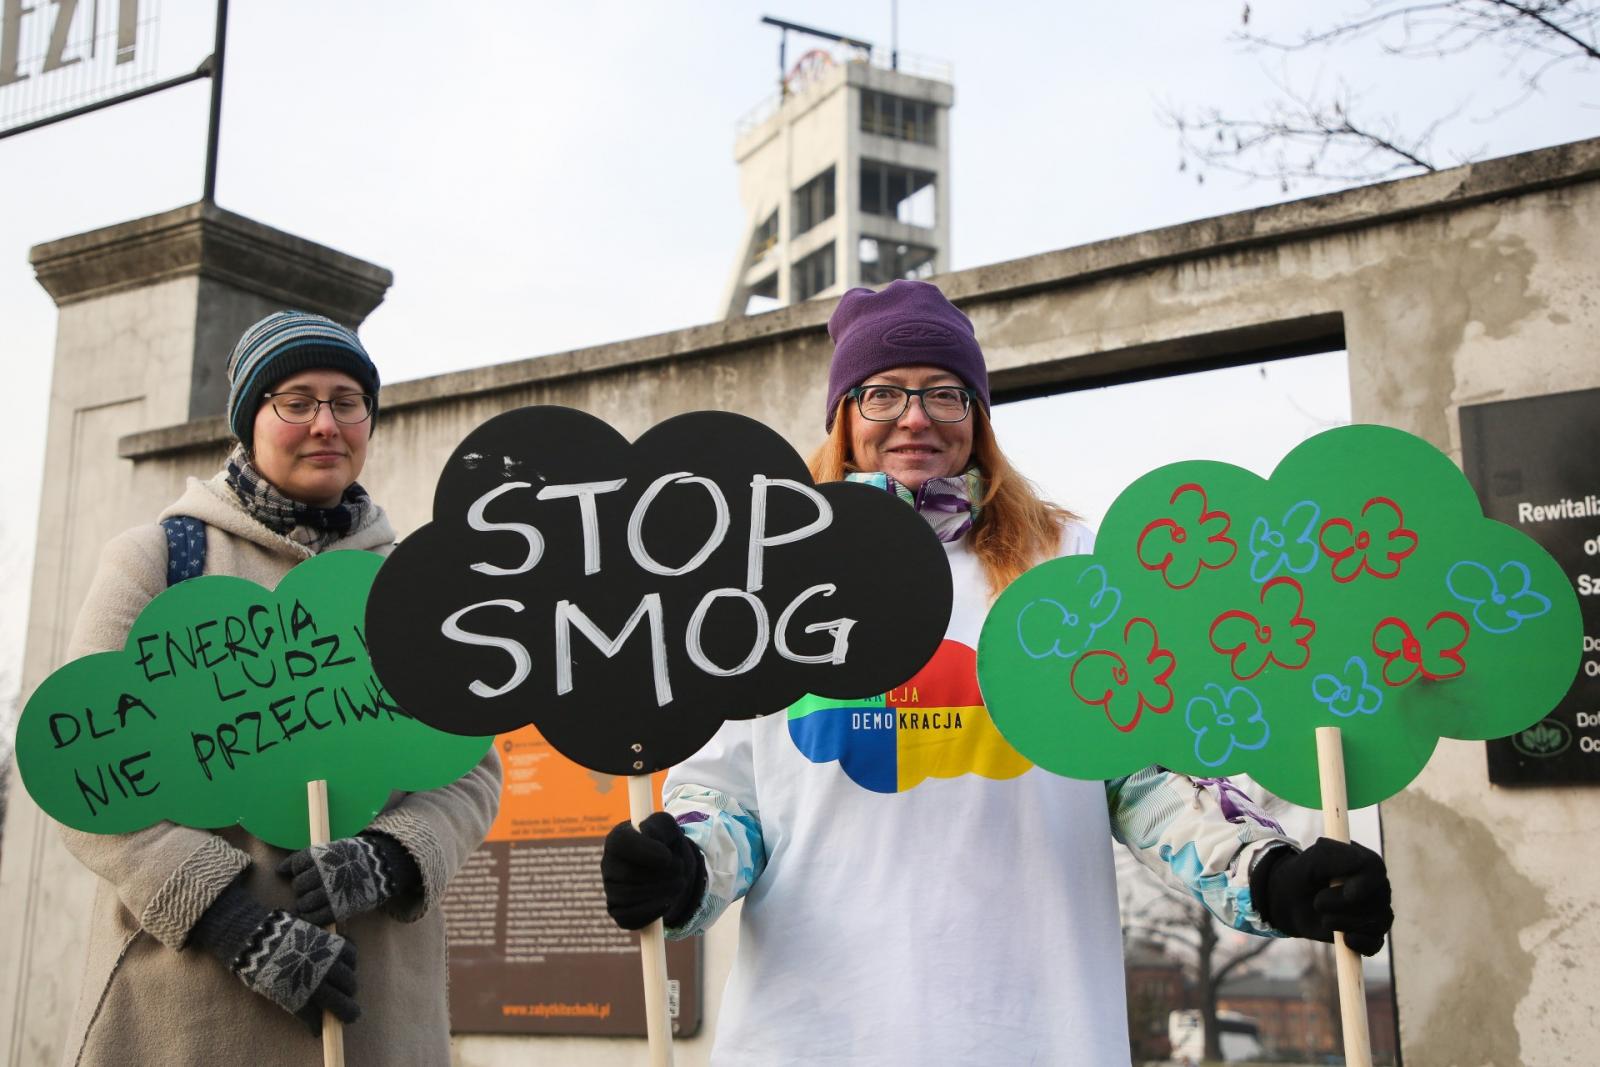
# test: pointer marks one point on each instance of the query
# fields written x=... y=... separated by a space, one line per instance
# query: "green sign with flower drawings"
x=224 y=702
x=1223 y=617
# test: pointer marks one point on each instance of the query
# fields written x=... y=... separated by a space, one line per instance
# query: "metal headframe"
x=810 y=31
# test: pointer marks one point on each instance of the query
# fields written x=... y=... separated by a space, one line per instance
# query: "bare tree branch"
x=1543 y=15
x=1337 y=144
x=1162 y=934
x=1335 y=139
x=1447 y=27
x=1169 y=921
x=1220 y=975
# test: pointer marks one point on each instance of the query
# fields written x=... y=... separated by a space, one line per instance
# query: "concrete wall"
x=44 y=893
x=148 y=312
x=1468 y=285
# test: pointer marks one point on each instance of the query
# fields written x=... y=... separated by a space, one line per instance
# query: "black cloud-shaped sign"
x=627 y=599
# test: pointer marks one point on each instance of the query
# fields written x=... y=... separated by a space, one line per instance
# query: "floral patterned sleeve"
x=1201 y=836
x=712 y=795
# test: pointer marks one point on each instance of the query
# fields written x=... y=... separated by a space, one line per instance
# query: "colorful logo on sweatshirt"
x=933 y=726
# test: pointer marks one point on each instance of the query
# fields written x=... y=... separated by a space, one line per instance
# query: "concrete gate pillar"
x=149 y=311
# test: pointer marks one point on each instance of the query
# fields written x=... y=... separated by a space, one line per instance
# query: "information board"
x=532 y=950
x=55 y=58
x=1536 y=466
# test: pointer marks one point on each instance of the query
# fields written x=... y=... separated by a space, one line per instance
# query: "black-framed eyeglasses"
x=298 y=408
x=886 y=403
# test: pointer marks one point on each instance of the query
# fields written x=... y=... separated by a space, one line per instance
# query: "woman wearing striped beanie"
x=302 y=402
x=299 y=478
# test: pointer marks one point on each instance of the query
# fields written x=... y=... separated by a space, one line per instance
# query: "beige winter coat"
x=146 y=998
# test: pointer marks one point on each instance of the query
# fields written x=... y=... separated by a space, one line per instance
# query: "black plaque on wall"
x=1536 y=466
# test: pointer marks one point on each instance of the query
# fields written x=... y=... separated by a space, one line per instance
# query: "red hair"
x=1016 y=528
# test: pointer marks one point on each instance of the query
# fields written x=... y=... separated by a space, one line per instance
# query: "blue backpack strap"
x=186 y=548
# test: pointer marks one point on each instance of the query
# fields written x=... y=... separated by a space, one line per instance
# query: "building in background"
x=845 y=178
x=1298 y=1017
x=1156 y=988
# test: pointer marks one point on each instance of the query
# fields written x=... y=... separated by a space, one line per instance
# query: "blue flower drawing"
x=1500 y=603
x=1354 y=694
x=1291 y=546
x=1223 y=721
x=1047 y=627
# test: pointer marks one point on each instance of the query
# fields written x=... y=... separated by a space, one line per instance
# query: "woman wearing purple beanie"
x=931 y=897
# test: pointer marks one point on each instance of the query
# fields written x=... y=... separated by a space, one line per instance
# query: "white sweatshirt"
x=969 y=916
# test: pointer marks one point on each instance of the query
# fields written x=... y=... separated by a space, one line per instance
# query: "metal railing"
x=918 y=66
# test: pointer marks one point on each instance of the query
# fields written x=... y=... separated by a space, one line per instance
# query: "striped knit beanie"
x=286 y=343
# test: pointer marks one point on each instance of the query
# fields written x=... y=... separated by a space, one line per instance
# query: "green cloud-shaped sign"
x=1223 y=617
x=225 y=701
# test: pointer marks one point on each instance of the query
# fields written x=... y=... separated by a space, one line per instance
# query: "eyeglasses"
x=886 y=403
x=348 y=408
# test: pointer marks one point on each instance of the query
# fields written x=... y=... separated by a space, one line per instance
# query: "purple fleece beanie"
x=906 y=323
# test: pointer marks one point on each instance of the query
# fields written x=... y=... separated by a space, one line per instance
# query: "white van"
x=1241 y=1036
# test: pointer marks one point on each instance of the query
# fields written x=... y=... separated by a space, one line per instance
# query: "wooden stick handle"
x=332 y=1028
x=652 y=943
x=1336 y=825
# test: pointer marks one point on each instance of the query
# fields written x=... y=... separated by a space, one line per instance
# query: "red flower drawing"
x=1127 y=687
x=1281 y=634
x=1193 y=539
x=1375 y=542
x=1405 y=655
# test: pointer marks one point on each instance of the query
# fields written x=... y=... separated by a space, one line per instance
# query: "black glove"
x=302 y=969
x=653 y=872
x=349 y=876
x=1293 y=892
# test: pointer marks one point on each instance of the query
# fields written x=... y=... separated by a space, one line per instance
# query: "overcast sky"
x=547 y=176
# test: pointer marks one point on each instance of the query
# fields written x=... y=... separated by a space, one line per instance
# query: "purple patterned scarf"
x=949 y=504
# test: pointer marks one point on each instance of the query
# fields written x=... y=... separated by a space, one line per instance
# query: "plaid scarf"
x=305 y=524
x=949 y=504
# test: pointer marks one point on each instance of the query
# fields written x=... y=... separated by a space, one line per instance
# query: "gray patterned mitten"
x=349 y=876
x=304 y=970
